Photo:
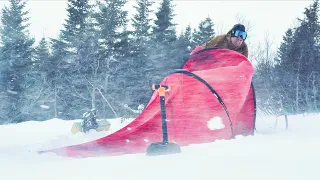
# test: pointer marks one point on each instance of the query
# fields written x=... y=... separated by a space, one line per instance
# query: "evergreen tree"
x=163 y=52
x=141 y=21
x=16 y=56
x=204 y=32
x=283 y=55
x=42 y=56
x=41 y=107
x=56 y=76
x=114 y=49
x=284 y=70
x=71 y=51
x=75 y=24
x=110 y=19
x=164 y=29
x=186 y=39
x=140 y=45
x=307 y=70
x=185 y=44
x=297 y=63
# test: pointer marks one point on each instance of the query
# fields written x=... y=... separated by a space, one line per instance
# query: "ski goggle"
x=240 y=34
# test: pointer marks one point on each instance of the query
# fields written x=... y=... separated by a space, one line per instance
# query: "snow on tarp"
x=194 y=113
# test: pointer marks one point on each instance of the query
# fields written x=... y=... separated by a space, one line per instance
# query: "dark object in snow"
x=90 y=122
x=160 y=148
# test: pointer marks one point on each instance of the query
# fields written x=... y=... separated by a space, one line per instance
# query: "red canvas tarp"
x=190 y=107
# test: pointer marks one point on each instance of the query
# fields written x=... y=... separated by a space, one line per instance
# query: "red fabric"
x=198 y=48
x=189 y=106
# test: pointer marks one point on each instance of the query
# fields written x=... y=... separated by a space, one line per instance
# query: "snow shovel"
x=164 y=147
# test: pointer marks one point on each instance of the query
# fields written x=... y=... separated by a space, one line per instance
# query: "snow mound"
x=215 y=123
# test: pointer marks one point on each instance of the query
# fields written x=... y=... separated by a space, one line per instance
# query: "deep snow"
x=271 y=154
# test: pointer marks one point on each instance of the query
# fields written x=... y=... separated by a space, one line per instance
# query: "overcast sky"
x=273 y=17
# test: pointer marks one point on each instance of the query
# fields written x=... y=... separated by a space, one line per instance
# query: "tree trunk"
x=93 y=99
x=55 y=101
x=315 y=93
x=284 y=112
x=297 y=90
x=114 y=112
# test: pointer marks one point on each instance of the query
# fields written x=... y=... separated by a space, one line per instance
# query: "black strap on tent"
x=255 y=108
x=211 y=89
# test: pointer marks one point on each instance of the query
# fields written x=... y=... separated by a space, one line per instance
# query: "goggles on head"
x=240 y=34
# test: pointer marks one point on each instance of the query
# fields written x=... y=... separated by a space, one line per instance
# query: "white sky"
x=271 y=16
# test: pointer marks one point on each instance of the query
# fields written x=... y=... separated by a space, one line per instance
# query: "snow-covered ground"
x=272 y=154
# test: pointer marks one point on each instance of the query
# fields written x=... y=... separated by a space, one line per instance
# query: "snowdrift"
x=211 y=98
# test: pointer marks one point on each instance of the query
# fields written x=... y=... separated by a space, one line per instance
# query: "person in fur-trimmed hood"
x=233 y=40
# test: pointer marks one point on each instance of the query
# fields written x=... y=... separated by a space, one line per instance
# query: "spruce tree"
x=185 y=44
x=163 y=54
x=298 y=56
x=42 y=56
x=114 y=50
x=164 y=29
x=16 y=58
x=69 y=48
x=111 y=18
x=56 y=77
x=141 y=21
x=41 y=107
x=140 y=43
x=204 y=32
x=187 y=38
x=284 y=71
x=306 y=37
x=75 y=24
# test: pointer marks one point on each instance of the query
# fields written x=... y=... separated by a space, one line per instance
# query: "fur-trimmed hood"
x=224 y=42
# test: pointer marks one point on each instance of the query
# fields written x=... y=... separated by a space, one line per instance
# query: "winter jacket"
x=224 y=42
